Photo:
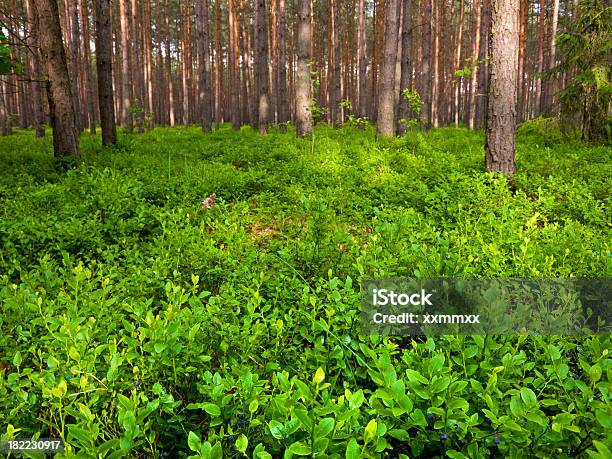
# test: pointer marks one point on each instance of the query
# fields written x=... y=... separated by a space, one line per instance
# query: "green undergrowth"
x=137 y=322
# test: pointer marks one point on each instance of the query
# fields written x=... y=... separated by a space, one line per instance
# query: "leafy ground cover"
x=139 y=321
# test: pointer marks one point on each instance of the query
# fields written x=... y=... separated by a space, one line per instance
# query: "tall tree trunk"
x=406 y=65
x=126 y=65
x=65 y=136
x=501 y=110
x=457 y=65
x=483 y=77
x=37 y=100
x=335 y=64
x=436 y=65
x=72 y=20
x=426 y=90
x=232 y=60
x=169 y=78
x=86 y=60
x=104 y=70
x=283 y=115
x=261 y=40
x=218 y=65
x=386 y=104
x=361 y=59
x=550 y=81
x=148 y=66
x=137 y=69
x=541 y=39
x=474 y=88
x=202 y=31
x=303 y=96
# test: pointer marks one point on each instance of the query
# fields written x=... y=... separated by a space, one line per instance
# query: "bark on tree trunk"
x=361 y=56
x=261 y=40
x=86 y=59
x=202 y=30
x=501 y=110
x=37 y=100
x=458 y=64
x=126 y=61
x=386 y=104
x=283 y=115
x=426 y=91
x=403 y=110
x=475 y=67
x=302 y=84
x=72 y=20
x=104 y=70
x=233 y=77
x=65 y=137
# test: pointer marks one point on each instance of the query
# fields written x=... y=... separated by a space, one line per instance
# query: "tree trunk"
x=386 y=104
x=303 y=96
x=232 y=59
x=126 y=67
x=65 y=136
x=457 y=65
x=406 y=71
x=361 y=59
x=261 y=40
x=72 y=20
x=426 y=90
x=501 y=110
x=171 y=114
x=474 y=88
x=104 y=70
x=202 y=31
x=86 y=60
x=540 y=68
x=37 y=100
x=483 y=77
x=335 y=65
x=550 y=81
x=283 y=115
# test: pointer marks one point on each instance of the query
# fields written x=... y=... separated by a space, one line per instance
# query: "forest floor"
x=136 y=317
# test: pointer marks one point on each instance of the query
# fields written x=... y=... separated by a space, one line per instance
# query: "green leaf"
x=352 y=449
x=194 y=442
x=370 y=431
x=603 y=449
x=17 y=359
x=516 y=407
x=604 y=418
x=81 y=435
x=436 y=364
x=253 y=406
x=242 y=442
x=529 y=398
x=300 y=449
x=324 y=427
x=416 y=376
x=319 y=376
x=276 y=429
x=304 y=418
x=212 y=409
x=400 y=434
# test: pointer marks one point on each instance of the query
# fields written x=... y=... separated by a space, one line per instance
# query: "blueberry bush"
x=197 y=296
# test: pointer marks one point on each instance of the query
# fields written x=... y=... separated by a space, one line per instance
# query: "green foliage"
x=352 y=120
x=6 y=65
x=586 y=51
x=137 y=322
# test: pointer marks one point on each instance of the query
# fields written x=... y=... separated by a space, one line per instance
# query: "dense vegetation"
x=187 y=294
